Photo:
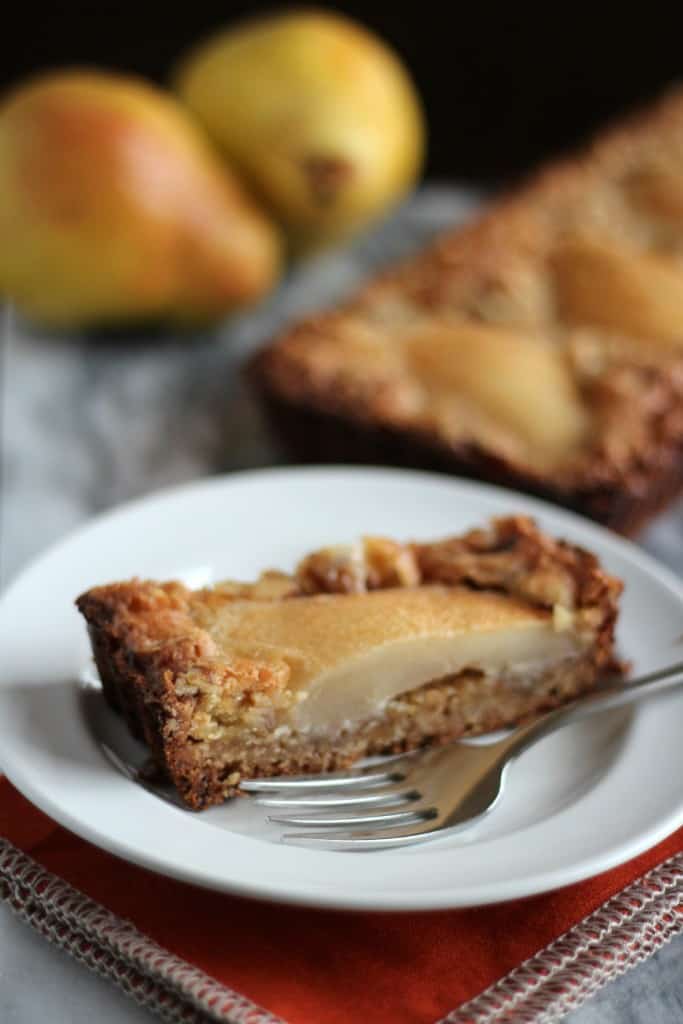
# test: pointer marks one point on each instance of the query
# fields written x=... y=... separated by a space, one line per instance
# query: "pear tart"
x=540 y=346
x=373 y=648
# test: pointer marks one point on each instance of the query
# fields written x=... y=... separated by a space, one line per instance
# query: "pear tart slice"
x=378 y=647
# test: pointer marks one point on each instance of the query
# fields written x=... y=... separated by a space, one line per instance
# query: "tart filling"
x=345 y=656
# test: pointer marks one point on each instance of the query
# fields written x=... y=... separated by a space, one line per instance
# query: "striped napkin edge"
x=627 y=929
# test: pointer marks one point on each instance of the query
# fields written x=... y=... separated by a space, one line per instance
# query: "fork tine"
x=369 y=818
x=350 y=841
x=390 y=770
x=133 y=773
x=126 y=769
x=378 y=797
x=384 y=838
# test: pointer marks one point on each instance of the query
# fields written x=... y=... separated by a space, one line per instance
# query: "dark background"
x=503 y=84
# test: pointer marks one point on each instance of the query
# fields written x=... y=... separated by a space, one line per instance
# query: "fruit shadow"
x=117 y=339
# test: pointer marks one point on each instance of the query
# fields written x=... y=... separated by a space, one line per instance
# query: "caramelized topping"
x=510 y=555
x=372 y=564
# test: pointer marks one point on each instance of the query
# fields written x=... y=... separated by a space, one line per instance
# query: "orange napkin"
x=321 y=967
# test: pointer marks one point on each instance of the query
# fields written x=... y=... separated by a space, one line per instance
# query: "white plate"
x=582 y=801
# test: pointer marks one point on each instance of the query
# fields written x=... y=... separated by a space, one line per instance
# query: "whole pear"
x=319 y=115
x=114 y=206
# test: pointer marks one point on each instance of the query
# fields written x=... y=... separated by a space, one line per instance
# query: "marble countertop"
x=88 y=423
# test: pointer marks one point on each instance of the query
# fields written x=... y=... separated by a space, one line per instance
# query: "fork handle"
x=613 y=695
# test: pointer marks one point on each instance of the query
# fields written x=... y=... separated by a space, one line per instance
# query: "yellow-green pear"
x=319 y=115
x=114 y=206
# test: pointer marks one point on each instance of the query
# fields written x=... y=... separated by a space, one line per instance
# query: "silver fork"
x=421 y=796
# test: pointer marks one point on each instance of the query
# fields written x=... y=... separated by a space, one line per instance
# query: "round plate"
x=580 y=802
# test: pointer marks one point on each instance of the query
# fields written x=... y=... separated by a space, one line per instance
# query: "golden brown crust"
x=150 y=647
x=337 y=380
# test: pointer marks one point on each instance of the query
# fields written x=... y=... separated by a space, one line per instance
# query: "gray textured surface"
x=88 y=424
